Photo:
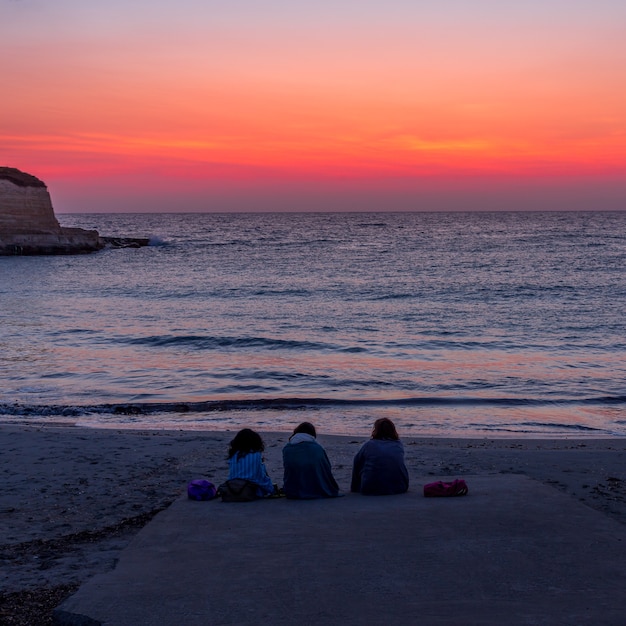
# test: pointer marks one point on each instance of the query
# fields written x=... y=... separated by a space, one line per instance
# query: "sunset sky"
x=323 y=105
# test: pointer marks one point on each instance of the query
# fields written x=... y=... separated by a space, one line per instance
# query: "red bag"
x=440 y=489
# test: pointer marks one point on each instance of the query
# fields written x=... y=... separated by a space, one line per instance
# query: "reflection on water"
x=325 y=307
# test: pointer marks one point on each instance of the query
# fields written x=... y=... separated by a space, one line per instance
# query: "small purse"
x=238 y=490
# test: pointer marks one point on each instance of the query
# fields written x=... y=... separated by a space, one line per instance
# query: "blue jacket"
x=307 y=470
x=379 y=468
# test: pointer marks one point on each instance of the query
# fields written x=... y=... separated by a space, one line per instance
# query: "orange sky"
x=326 y=105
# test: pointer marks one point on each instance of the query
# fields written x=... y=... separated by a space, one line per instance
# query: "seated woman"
x=245 y=461
x=308 y=473
x=379 y=467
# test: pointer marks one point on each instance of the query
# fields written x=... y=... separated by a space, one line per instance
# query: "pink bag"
x=440 y=489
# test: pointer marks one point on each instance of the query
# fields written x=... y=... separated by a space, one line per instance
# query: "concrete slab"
x=513 y=551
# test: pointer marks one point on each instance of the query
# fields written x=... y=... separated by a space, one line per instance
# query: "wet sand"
x=72 y=498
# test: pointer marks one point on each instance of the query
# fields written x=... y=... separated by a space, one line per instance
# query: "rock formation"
x=28 y=224
x=25 y=205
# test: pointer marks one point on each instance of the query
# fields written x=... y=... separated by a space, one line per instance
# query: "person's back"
x=245 y=461
x=308 y=473
x=379 y=467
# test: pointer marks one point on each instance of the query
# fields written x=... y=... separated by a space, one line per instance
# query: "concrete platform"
x=513 y=551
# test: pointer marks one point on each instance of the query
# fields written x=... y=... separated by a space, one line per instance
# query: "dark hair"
x=306 y=428
x=384 y=429
x=245 y=441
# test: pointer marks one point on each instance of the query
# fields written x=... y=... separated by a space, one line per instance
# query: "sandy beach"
x=72 y=498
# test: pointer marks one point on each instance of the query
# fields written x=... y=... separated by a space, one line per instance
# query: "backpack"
x=457 y=487
x=238 y=490
x=201 y=489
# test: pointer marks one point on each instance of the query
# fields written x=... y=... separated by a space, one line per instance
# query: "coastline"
x=74 y=497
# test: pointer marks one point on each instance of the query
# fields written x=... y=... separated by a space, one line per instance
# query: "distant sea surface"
x=451 y=324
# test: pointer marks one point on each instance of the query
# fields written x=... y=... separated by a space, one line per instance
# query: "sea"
x=472 y=325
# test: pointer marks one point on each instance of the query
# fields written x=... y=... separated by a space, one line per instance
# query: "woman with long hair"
x=379 y=467
x=245 y=461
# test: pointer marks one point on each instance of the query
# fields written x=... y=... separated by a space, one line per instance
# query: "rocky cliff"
x=25 y=205
x=28 y=224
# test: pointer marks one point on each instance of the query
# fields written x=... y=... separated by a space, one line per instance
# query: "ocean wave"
x=294 y=403
x=533 y=427
x=157 y=241
x=303 y=293
x=206 y=342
